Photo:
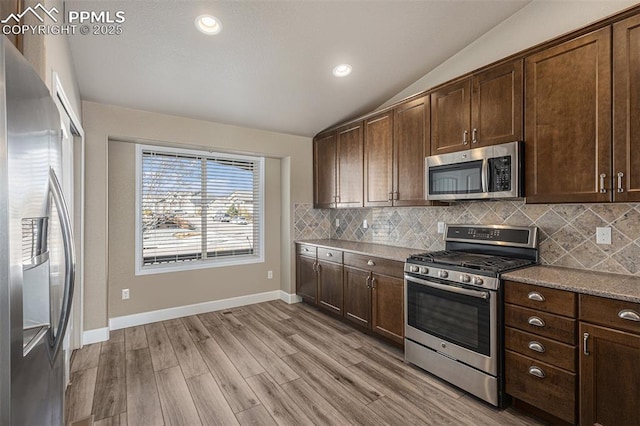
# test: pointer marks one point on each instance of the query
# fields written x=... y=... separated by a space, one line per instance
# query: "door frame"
x=77 y=139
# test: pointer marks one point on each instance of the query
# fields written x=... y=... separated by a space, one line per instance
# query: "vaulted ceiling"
x=270 y=67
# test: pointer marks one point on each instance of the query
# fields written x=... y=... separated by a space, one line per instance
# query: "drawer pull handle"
x=329 y=254
x=536 y=346
x=537 y=371
x=628 y=314
x=536 y=322
x=306 y=249
x=534 y=295
x=371 y=263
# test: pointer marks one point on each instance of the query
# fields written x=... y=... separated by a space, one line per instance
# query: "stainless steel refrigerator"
x=37 y=263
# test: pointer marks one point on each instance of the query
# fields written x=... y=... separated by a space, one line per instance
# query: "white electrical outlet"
x=365 y=224
x=337 y=223
x=440 y=227
x=603 y=235
x=125 y=293
x=269 y=275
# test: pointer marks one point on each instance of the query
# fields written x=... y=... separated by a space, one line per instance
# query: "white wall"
x=539 y=21
x=105 y=123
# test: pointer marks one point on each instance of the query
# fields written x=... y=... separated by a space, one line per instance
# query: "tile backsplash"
x=567 y=231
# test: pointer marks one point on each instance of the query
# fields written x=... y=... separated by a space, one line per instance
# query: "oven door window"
x=460 y=178
x=454 y=318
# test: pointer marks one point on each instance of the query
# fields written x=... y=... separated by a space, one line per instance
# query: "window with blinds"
x=197 y=209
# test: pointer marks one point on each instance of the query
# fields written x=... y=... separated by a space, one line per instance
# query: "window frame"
x=141 y=269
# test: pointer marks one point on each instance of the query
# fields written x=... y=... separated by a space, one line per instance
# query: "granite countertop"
x=612 y=286
x=399 y=254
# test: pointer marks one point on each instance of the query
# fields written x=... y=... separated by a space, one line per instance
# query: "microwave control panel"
x=500 y=174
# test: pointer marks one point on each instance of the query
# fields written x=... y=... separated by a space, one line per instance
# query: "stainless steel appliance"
x=36 y=248
x=489 y=172
x=453 y=304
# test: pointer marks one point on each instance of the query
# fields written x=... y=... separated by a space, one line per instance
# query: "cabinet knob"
x=536 y=321
x=329 y=254
x=371 y=263
x=534 y=295
x=536 y=371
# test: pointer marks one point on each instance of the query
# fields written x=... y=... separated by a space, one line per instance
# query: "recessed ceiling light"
x=208 y=24
x=342 y=70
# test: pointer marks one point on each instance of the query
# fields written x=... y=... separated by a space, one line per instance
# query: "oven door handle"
x=449 y=288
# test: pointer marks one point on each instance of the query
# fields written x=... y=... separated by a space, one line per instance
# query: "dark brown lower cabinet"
x=387 y=307
x=375 y=301
x=357 y=296
x=306 y=278
x=609 y=377
x=330 y=289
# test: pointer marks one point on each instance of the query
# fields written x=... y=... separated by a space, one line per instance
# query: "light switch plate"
x=603 y=235
x=337 y=223
x=440 y=227
x=365 y=224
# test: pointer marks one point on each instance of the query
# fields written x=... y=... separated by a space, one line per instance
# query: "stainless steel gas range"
x=453 y=304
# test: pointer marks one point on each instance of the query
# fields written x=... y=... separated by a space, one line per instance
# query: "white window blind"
x=198 y=209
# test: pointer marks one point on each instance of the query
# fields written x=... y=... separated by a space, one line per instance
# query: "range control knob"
x=424 y=270
x=465 y=278
x=443 y=274
x=477 y=281
x=413 y=268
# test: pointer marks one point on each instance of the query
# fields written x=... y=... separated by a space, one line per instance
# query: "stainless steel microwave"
x=481 y=173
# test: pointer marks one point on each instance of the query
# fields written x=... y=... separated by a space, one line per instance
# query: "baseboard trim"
x=290 y=298
x=94 y=336
x=125 y=321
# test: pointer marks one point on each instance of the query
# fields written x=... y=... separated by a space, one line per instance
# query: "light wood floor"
x=263 y=364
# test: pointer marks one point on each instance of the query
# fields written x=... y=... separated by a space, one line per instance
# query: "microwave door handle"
x=449 y=288
x=485 y=175
x=69 y=260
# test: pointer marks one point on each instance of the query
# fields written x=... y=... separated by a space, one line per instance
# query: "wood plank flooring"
x=264 y=364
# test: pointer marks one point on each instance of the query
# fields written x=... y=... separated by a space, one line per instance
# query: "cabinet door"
x=496 y=105
x=568 y=121
x=378 y=160
x=306 y=279
x=349 y=160
x=330 y=286
x=609 y=377
x=626 y=109
x=324 y=171
x=411 y=146
x=451 y=118
x=357 y=296
x=388 y=307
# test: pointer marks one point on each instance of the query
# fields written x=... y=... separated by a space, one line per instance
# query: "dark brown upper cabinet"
x=337 y=167
x=485 y=109
x=496 y=105
x=395 y=145
x=451 y=118
x=411 y=130
x=378 y=160
x=568 y=121
x=325 y=170
x=626 y=110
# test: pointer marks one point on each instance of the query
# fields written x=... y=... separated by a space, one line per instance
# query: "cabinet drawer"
x=554 y=393
x=329 y=255
x=549 y=325
x=558 y=302
x=375 y=264
x=540 y=348
x=610 y=312
x=306 y=250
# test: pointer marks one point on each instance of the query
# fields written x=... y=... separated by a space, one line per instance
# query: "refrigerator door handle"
x=69 y=261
